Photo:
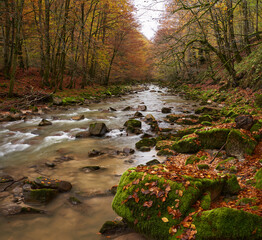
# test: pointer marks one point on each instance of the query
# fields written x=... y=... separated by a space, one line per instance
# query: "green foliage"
x=228 y=223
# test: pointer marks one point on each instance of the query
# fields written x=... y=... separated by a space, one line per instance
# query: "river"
x=25 y=148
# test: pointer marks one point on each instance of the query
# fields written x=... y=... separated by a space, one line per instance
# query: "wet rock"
x=84 y=134
x=133 y=123
x=145 y=149
x=112 y=109
x=78 y=118
x=128 y=108
x=113 y=227
x=150 y=118
x=42 y=195
x=98 y=129
x=64 y=159
x=166 y=110
x=10 y=209
x=44 y=122
x=207 y=110
x=146 y=135
x=50 y=164
x=129 y=161
x=142 y=108
x=88 y=169
x=48 y=183
x=10 y=117
x=113 y=189
x=95 y=153
x=128 y=151
x=244 y=121
x=152 y=162
x=146 y=142
x=138 y=115
x=74 y=200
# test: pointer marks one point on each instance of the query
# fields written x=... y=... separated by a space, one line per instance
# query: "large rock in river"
x=162 y=208
x=98 y=129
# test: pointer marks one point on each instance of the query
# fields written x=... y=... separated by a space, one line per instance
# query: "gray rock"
x=50 y=164
x=138 y=115
x=142 y=108
x=112 y=109
x=128 y=151
x=98 y=129
x=88 y=169
x=95 y=153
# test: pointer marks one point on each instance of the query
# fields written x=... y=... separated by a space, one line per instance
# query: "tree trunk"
x=246 y=27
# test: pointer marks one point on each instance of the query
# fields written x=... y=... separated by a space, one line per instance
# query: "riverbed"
x=25 y=148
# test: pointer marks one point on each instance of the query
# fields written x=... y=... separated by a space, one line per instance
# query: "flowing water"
x=25 y=147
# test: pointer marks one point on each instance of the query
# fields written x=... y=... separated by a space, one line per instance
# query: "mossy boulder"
x=98 y=129
x=205 y=201
x=231 y=186
x=188 y=144
x=207 y=110
x=152 y=162
x=238 y=144
x=152 y=205
x=146 y=142
x=186 y=131
x=72 y=100
x=228 y=223
x=133 y=123
x=164 y=144
x=166 y=152
x=213 y=138
x=258 y=179
x=192 y=159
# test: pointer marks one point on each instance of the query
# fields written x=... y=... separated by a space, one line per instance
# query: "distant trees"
x=197 y=35
x=76 y=39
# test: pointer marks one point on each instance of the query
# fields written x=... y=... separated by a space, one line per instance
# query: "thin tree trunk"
x=246 y=27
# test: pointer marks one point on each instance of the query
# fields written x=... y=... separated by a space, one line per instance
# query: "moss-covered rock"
x=202 y=166
x=152 y=205
x=207 y=110
x=258 y=179
x=238 y=144
x=173 y=117
x=231 y=186
x=206 y=118
x=146 y=142
x=213 y=138
x=186 y=131
x=245 y=201
x=72 y=100
x=133 y=123
x=258 y=100
x=152 y=162
x=187 y=144
x=166 y=152
x=43 y=195
x=221 y=165
x=205 y=123
x=228 y=223
x=113 y=227
x=164 y=144
x=192 y=159
x=206 y=201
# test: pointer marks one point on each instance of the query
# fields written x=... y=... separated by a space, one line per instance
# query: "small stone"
x=138 y=115
x=128 y=108
x=88 y=169
x=142 y=108
x=145 y=149
x=44 y=122
x=166 y=110
x=128 y=151
x=112 y=109
x=98 y=129
x=50 y=164
x=244 y=121
x=153 y=162
x=74 y=200
x=78 y=118
x=84 y=134
x=95 y=153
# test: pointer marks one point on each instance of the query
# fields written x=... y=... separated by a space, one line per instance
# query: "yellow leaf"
x=164 y=219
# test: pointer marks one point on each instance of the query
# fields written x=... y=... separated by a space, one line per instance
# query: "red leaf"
x=148 y=204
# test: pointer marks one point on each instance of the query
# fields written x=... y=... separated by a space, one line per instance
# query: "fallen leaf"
x=164 y=219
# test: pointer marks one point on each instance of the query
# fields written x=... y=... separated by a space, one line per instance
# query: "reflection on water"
x=25 y=147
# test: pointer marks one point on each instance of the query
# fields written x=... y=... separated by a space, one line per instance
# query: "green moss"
x=112 y=227
x=245 y=201
x=202 y=166
x=133 y=123
x=213 y=138
x=164 y=144
x=231 y=186
x=146 y=142
x=258 y=178
x=166 y=152
x=206 y=201
x=42 y=195
x=205 y=118
x=187 y=145
x=228 y=223
x=221 y=165
x=72 y=100
x=258 y=100
x=129 y=202
x=256 y=127
x=192 y=159
x=238 y=144
x=205 y=123
x=207 y=110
